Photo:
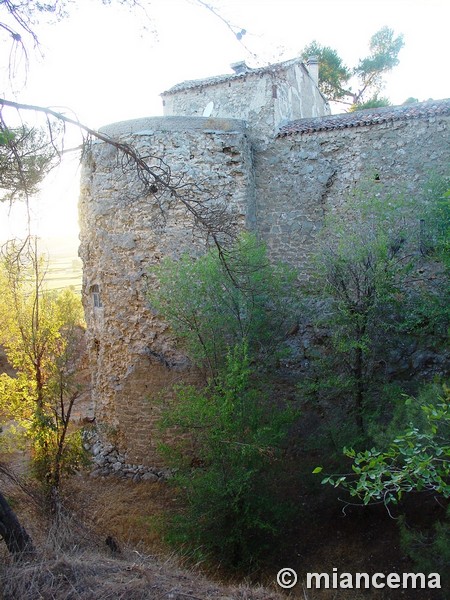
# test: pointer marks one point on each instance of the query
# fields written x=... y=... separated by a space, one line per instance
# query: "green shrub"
x=225 y=454
x=225 y=298
x=381 y=292
x=417 y=460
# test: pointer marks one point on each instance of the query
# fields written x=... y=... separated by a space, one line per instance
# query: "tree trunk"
x=359 y=389
x=16 y=538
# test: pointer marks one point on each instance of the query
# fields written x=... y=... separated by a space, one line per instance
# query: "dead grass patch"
x=74 y=563
x=92 y=576
x=129 y=512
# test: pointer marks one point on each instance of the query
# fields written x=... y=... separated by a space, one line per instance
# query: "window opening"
x=95 y=291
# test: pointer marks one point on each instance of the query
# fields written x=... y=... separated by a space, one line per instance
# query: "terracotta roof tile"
x=368 y=116
x=194 y=83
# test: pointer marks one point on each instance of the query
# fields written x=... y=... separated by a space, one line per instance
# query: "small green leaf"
x=318 y=470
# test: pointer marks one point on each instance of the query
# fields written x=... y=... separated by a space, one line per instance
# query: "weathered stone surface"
x=264 y=97
x=301 y=178
x=133 y=354
x=280 y=187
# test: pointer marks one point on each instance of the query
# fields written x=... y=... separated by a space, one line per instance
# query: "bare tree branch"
x=209 y=211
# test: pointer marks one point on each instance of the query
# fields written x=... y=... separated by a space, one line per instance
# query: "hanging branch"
x=210 y=213
x=238 y=32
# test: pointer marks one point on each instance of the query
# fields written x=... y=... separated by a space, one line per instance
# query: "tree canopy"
x=361 y=85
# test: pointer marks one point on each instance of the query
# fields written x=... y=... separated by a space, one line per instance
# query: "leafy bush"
x=228 y=441
x=232 y=309
x=49 y=454
x=222 y=299
x=417 y=460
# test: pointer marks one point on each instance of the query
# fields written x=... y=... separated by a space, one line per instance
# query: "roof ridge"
x=367 y=116
x=193 y=83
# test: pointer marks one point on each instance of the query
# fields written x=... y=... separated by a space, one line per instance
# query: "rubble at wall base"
x=107 y=460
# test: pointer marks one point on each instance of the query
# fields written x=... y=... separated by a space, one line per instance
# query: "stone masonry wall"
x=264 y=99
x=282 y=190
x=133 y=355
x=302 y=177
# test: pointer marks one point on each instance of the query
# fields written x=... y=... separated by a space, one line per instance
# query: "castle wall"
x=123 y=233
x=302 y=177
x=282 y=190
x=298 y=96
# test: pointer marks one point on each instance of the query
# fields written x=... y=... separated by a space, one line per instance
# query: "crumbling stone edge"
x=108 y=461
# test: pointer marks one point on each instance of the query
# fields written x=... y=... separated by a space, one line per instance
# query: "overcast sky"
x=107 y=63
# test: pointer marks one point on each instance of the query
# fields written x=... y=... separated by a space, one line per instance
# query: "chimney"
x=313 y=68
x=239 y=67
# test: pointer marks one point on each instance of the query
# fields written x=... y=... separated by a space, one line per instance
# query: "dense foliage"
x=376 y=296
x=41 y=332
x=387 y=284
x=380 y=291
x=233 y=314
x=222 y=300
x=417 y=459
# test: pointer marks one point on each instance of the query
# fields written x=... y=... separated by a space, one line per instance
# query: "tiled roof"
x=368 y=116
x=194 y=83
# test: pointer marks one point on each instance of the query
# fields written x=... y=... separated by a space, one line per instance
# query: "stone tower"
x=262 y=142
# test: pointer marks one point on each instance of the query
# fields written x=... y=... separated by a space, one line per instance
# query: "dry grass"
x=73 y=561
x=91 y=576
x=129 y=512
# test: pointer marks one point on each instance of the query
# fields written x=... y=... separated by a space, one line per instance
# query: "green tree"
x=373 y=299
x=226 y=454
x=334 y=75
x=41 y=333
x=384 y=49
x=226 y=297
x=232 y=310
x=357 y=268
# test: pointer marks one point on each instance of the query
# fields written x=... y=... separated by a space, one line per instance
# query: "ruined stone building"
x=263 y=141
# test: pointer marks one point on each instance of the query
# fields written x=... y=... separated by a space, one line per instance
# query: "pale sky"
x=107 y=63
